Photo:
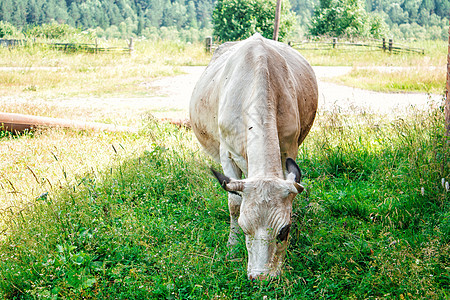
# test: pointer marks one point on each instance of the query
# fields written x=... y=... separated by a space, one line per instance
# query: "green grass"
x=154 y=224
x=90 y=215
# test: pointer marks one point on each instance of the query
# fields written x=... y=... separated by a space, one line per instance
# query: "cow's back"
x=222 y=94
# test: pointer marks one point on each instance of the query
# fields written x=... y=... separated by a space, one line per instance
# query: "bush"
x=237 y=20
x=7 y=29
x=52 y=31
x=346 y=18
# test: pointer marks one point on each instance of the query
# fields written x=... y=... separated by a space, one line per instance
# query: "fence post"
x=391 y=44
x=334 y=42
x=208 y=44
x=447 y=100
x=384 y=45
x=130 y=46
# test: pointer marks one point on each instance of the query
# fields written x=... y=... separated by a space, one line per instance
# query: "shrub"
x=346 y=18
x=7 y=29
x=236 y=20
x=52 y=31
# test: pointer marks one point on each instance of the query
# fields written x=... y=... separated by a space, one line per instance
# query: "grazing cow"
x=251 y=109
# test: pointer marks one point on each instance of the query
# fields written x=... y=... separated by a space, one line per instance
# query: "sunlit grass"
x=418 y=79
x=37 y=72
x=435 y=55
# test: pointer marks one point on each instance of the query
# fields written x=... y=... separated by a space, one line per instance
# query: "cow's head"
x=265 y=217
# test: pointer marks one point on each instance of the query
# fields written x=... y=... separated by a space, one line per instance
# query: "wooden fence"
x=12 y=42
x=209 y=45
x=71 y=47
x=371 y=45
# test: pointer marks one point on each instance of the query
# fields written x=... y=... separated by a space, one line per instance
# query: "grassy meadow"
x=93 y=215
x=412 y=72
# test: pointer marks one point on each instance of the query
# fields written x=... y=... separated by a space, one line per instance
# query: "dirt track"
x=175 y=93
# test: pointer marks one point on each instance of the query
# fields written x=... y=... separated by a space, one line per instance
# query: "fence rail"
x=71 y=47
x=370 y=45
x=12 y=42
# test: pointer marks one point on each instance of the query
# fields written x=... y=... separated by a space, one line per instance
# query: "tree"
x=6 y=29
x=6 y=10
x=236 y=20
x=345 y=18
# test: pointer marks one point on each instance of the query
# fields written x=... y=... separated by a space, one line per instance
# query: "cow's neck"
x=263 y=148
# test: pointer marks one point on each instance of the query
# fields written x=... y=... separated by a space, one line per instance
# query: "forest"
x=191 y=20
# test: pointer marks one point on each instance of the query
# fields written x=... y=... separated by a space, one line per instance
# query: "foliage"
x=345 y=18
x=237 y=20
x=155 y=225
x=7 y=30
x=105 y=13
x=406 y=19
x=52 y=31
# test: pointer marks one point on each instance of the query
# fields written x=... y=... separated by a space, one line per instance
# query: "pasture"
x=97 y=215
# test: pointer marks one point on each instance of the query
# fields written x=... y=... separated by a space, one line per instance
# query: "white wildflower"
x=422 y=191
x=443 y=182
x=447 y=187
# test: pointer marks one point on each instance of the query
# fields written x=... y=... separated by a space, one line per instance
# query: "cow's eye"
x=284 y=232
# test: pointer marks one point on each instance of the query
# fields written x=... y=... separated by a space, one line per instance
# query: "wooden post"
x=276 y=23
x=384 y=45
x=447 y=100
x=96 y=46
x=334 y=42
x=391 y=44
x=208 y=44
x=130 y=46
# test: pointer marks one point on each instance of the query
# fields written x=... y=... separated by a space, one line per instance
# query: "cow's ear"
x=227 y=183
x=292 y=167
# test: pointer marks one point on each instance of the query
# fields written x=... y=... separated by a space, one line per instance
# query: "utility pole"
x=276 y=23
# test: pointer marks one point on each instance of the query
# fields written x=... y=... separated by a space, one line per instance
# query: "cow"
x=250 y=110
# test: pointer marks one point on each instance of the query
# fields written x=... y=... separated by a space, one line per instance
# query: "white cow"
x=250 y=110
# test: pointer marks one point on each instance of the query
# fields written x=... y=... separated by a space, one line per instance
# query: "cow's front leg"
x=231 y=170
x=234 y=206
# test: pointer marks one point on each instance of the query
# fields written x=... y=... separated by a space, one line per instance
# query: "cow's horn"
x=235 y=186
x=228 y=184
x=299 y=187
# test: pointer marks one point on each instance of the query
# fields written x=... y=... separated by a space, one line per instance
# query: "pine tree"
x=6 y=10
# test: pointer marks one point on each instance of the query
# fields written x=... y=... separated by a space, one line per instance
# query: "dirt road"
x=175 y=94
